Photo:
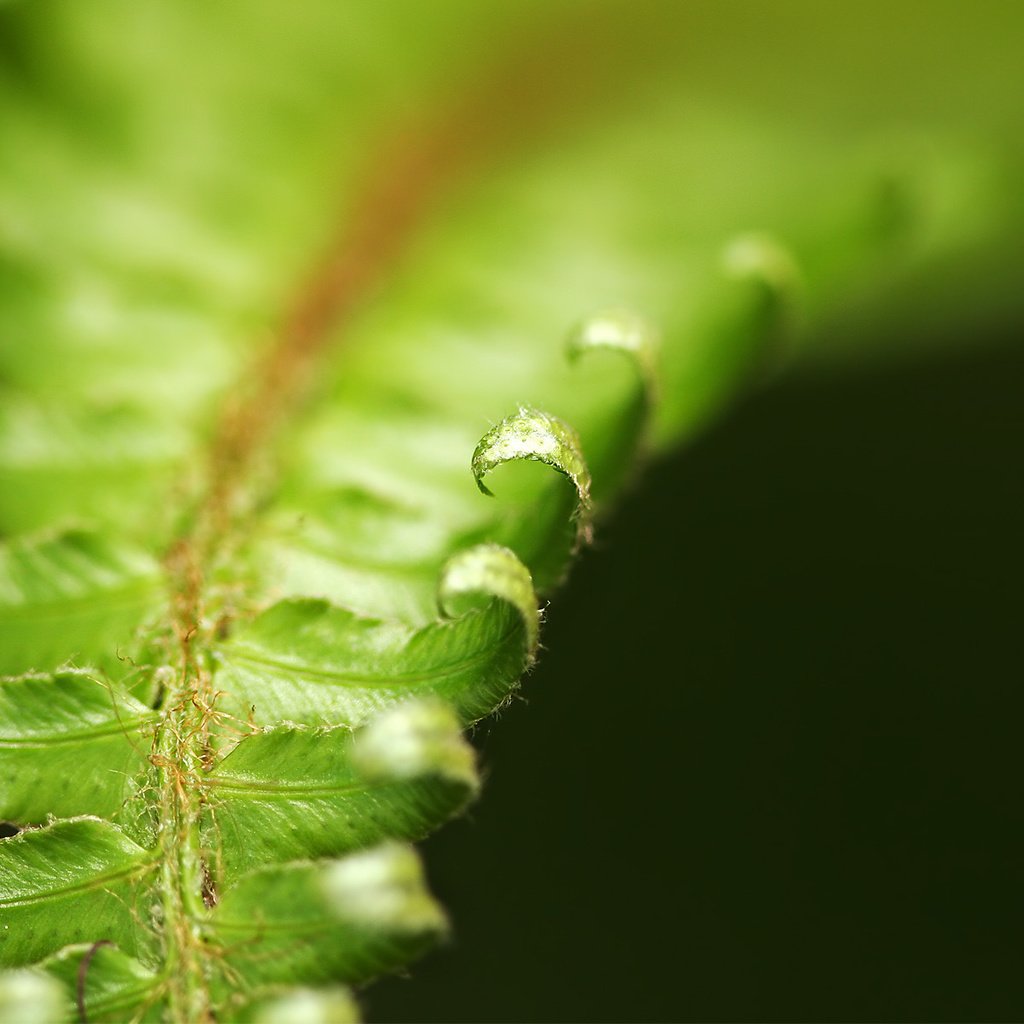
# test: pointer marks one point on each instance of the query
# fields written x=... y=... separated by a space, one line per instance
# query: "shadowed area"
x=770 y=765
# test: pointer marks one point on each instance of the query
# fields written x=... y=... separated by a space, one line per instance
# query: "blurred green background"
x=819 y=815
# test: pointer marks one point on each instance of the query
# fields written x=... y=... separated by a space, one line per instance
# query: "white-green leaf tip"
x=30 y=997
x=490 y=570
x=619 y=330
x=413 y=739
x=759 y=256
x=383 y=888
x=536 y=436
x=309 y=1006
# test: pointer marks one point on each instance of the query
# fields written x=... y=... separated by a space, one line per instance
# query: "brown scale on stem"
x=398 y=189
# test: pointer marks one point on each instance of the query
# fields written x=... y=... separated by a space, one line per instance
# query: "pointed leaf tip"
x=490 y=571
x=537 y=436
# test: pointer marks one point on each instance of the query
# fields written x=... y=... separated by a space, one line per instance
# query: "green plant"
x=248 y=605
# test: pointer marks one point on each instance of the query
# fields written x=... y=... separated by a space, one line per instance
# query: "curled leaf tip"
x=490 y=571
x=618 y=330
x=413 y=739
x=759 y=256
x=775 y=276
x=536 y=437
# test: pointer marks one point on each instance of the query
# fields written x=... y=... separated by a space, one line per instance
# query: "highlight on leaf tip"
x=536 y=436
x=490 y=571
x=619 y=330
x=384 y=888
x=762 y=260
x=758 y=255
x=371 y=912
x=30 y=997
x=306 y=1006
x=413 y=739
x=104 y=982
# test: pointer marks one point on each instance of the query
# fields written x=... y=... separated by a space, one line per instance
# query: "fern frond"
x=251 y=593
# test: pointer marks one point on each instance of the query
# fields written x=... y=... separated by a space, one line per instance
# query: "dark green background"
x=770 y=766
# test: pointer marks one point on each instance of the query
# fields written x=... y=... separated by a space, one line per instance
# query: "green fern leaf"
x=274 y=524
x=72 y=744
